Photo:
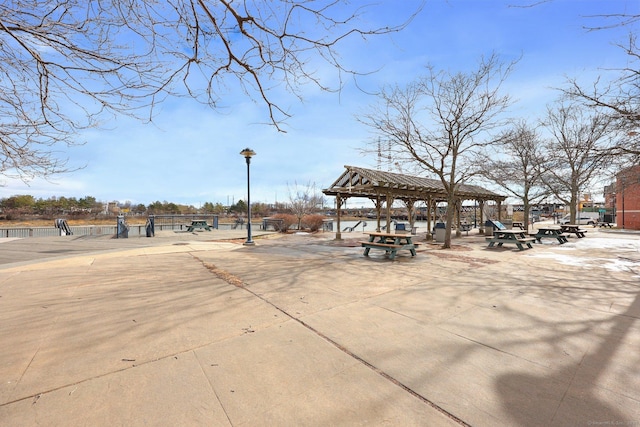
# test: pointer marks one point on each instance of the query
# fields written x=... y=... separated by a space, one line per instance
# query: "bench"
x=466 y=227
x=539 y=235
x=198 y=224
x=389 y=248
x=380 y=245
x=518 y=242
x=578 y=232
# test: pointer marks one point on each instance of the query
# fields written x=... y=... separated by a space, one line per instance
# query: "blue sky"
x=190 y=154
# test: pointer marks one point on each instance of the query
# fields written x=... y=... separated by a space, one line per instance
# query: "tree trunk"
x=451 y=206
x=573 y=207
x=527 y=209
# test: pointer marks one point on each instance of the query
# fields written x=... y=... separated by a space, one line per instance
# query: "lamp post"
x=248 y=153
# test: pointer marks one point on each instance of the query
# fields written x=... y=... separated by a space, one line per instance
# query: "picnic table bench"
x=198 y=223
x=573 y=229
x=516 y=237
x=550 y=232
x=466 y=227
x=390 y=243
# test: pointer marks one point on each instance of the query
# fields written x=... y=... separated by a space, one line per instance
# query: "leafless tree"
x=518 y=167
x=442 y=121
x=67 y=64
x=574 y=154
x=620 y=100
x=304 y=200
x=618 y=95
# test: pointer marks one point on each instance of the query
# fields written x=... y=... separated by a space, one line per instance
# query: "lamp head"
x=248 y=153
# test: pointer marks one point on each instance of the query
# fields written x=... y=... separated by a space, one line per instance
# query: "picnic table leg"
x=392 y=254
x=366 y=251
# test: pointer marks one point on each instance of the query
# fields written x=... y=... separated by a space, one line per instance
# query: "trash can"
x=441 y=230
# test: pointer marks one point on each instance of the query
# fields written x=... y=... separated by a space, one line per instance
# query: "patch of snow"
x=610 y=264
x=602 y=243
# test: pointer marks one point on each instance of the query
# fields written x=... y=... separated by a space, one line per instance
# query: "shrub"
x=312 y=222
x=287 y=221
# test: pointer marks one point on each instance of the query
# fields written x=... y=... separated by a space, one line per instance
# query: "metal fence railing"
x=160 y=222
x=91 y=230
x=177 y=222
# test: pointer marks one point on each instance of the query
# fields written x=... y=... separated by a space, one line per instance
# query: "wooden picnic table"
x=198 y=223
x=553 y=232
x=573 y=229
x=390 y=243
x=516 y=237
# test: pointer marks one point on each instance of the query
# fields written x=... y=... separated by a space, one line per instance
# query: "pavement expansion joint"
x=236 y=281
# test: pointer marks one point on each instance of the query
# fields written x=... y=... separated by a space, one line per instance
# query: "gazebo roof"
x=371 y=183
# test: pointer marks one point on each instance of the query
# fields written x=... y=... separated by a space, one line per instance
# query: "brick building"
x=627 y=198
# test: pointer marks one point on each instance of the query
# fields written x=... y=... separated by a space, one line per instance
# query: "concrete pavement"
x=188 y=329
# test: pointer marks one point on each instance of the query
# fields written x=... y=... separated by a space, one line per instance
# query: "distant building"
x=627 y=197
x=610 y=197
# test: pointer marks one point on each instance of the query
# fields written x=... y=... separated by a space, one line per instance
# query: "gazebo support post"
x=389 y=202
x=378 y=212
x=429 y=236
x=338 y=206
x=457 y=217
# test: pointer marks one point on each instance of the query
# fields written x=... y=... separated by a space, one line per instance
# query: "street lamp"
x=248 y=153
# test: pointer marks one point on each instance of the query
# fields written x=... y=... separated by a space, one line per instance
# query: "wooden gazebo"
x=386 y=187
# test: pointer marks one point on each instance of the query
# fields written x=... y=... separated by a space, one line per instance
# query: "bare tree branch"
x=68 y=65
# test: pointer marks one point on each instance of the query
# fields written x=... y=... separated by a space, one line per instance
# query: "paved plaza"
x=196 y=329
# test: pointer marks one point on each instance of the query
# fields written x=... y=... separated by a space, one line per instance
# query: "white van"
x=589 y=218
